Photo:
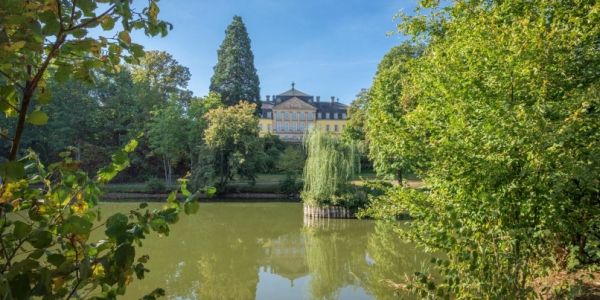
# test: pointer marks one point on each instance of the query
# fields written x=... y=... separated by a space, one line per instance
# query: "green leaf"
x=38 y=118
x=44 y=97
x=12 y=170
x=63 y=73
x=124 y=256
x=108 y=23
x=120 y=160
x=116 y=226
x=125 y=38
x=21 y=230
x=36 y=254
x=160 y=225
x=77 y=225
x=79 y=33
x=172 y=197
x=87 y=6
x=56 y=259
x=40 y=239
x=191 y=207
x=210 y=191
x=130 y=147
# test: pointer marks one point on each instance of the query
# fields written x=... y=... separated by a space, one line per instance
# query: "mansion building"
x=290 y=114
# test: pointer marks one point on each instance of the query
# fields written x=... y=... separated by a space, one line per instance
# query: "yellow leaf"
x=98 y=270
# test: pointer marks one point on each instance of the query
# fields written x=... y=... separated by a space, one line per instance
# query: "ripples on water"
x=268 y=251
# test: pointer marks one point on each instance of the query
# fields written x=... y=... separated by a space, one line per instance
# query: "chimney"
x=332 y=99
x=268 y=98
x=337 y=100
x=318 y=98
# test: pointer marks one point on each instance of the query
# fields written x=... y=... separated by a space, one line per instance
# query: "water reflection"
x=267 y=251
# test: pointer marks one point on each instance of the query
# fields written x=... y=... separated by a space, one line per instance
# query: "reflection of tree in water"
x=233 y=249
x=335 y=254
x=218 y=253
x=392 y=258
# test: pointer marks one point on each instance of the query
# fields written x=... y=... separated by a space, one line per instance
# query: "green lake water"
x=268 y=251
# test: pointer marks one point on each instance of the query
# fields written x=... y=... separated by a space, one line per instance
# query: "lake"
x=268 y=251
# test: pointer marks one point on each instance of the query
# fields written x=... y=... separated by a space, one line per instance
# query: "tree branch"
x=28 y=91
x=72 y=20
x=9 y=78
x=8 y=259
x=88 y=22
x=10 y=104
x=59 y=12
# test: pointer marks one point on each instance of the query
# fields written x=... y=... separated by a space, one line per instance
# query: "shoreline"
x=161 y=197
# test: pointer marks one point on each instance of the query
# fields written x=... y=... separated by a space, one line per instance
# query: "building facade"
x=290 y=114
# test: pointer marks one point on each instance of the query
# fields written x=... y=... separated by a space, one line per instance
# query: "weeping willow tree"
x=329 y=167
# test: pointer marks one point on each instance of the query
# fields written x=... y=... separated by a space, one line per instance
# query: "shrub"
x=290 y=185
x=156 y=185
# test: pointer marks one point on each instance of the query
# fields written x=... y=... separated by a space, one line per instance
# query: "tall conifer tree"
x=235 y=77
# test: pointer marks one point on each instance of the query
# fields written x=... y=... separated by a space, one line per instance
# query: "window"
x=301 y=127
x=331 y=116
x=277 y=116
x=293 y=116
x=327 y=128
x=323 y=115
x=293 y=127
x=286 y=116
x=302 y=116
x=309 y=116
x=335 y=128
x=278 y=126
x=343 y=116
x=268 y=115
x=286 y=126
x=299 y=115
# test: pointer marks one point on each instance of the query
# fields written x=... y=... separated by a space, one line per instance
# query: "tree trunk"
x=78 y=153
x=165 y=169
x=16 y=142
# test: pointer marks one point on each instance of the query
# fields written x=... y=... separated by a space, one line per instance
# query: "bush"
x=290 y=185
x=156 y=185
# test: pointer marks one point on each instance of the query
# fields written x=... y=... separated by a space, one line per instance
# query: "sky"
x=327 y=47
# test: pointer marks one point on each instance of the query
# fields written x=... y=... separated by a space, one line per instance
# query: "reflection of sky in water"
x=266 y=251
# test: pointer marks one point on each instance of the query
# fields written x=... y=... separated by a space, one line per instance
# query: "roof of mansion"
x=331 y=106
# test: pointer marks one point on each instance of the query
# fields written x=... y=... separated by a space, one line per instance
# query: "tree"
x=36 y=37
x=390 y=147
x=330 y=165
x=49 y=253
x=166 y=137
x=358 y=112
x=506 y=104
x=159 y=70
x=292 y=160
x=232 y=139
x=235 y=77
x=197 y=124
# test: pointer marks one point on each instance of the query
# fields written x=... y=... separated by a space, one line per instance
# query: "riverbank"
x=161 y=197
x=266 y=186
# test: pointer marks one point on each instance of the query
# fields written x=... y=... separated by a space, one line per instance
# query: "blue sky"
x=328 y=47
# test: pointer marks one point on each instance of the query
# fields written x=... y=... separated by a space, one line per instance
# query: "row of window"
x=335 y=128
x=302 y=116
x=298 y=127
